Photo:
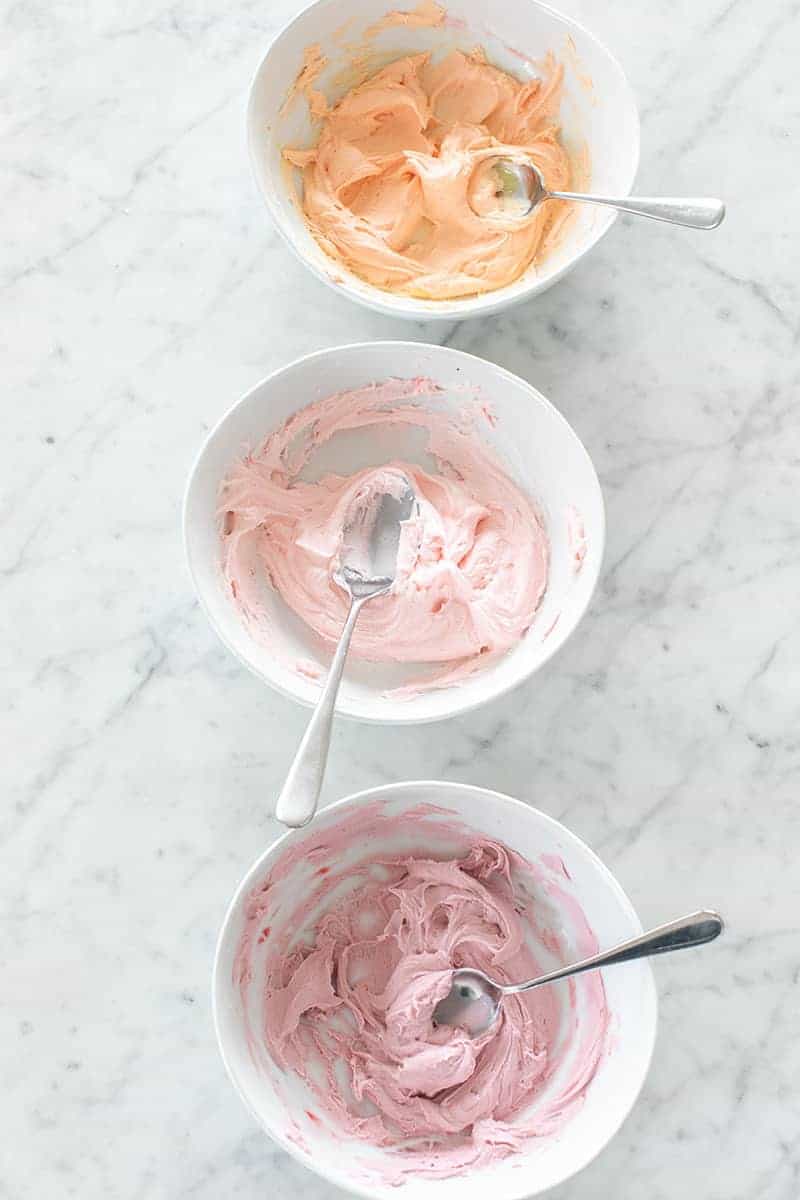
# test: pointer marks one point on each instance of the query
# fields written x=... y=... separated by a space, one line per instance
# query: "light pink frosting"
x=348 y=995
x=472 y=565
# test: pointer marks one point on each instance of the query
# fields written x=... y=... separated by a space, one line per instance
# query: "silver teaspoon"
x=474 y=1000
x=519 y=189
x=367 y=567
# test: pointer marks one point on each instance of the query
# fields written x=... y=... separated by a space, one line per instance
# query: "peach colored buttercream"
x=387 y=188
x=426 y=15
x=472 y=562
x=314 y=63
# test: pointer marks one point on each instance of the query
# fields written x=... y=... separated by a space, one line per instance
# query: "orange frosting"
x=387 y=188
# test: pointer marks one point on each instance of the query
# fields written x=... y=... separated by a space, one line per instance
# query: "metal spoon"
x=367 y=567
x=474 y=999
x=519 y=188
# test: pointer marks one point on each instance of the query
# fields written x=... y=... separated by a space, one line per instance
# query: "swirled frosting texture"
x=348 y=1004
x=472 y=563
x=386 y=189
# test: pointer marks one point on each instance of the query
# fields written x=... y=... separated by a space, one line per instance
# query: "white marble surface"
x=142 y=291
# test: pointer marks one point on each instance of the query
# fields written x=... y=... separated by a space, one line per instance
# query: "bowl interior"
x=280 y=1102
x=598 y=116
x=537 y=448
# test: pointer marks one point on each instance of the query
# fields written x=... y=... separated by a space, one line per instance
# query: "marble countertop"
x=143 y=290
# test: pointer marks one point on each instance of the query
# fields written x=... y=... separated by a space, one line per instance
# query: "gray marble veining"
x=141 y=291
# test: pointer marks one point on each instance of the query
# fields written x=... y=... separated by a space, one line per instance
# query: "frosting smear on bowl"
x=387 y=189
x=351 y=977
x=472 y=562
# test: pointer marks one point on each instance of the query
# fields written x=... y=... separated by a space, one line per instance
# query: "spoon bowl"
x=513 y=187
x=472 y=1004
x=371 y=538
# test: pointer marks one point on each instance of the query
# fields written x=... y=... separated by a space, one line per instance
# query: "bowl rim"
x=403 y=718
x=434 y=786
x=415 y=309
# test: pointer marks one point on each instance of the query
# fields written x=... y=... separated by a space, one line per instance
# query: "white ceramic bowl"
x=535 y=443
x=630 y=995
x=598 y=117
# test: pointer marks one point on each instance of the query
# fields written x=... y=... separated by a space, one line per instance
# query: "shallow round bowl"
x=598 y=117
x=282 y=1104
x=535 y=445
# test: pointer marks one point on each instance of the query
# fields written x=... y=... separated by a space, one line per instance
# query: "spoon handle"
x=297 y=802
x=698 y=213
x=694 y=930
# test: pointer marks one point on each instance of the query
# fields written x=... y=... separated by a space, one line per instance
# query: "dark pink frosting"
x=348 y=996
